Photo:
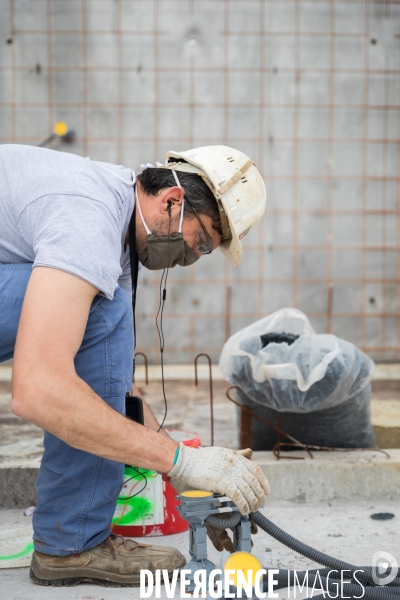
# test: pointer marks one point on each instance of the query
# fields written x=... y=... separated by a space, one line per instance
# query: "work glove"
x=219 y=537
x=221 y=471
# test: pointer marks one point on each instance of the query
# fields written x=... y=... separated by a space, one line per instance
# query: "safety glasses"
x=209 y=244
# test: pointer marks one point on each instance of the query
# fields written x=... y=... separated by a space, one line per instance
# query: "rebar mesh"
x=309 y=89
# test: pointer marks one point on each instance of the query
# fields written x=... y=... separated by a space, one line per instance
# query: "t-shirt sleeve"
x=76 y=234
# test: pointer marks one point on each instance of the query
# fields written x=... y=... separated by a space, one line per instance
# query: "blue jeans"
x=77 y=491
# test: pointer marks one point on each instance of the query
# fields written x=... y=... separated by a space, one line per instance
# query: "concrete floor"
x=341 y=529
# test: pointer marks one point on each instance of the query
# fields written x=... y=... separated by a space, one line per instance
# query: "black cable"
x=364 y=574
x=311 y=553
x=139 y=473
x=163 y=296
x=330 y=580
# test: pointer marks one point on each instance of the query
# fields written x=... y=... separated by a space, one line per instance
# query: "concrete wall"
x=309 y=89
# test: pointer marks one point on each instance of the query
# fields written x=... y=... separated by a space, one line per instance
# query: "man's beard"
x=157 y=228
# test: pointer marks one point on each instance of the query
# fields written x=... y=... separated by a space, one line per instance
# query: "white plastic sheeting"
x=316 y=372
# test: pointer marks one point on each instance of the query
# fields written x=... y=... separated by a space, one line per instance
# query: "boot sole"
x=59 y=577
x=71 y=581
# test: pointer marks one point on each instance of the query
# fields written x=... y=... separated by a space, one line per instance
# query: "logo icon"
x=384 y=562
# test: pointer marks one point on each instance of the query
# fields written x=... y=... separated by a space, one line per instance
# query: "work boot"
x=116 y=562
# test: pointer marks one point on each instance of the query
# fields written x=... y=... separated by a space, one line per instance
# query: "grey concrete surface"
x=308 y=89
x=333 y=475
x=344 y=530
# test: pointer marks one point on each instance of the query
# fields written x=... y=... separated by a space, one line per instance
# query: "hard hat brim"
x=232 y=249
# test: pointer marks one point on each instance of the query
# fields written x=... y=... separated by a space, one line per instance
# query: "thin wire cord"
x=160 y=312
x=134 y=477
x=163 y=295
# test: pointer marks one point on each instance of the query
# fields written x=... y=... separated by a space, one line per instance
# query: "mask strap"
x=183 y=201
x=140 y=213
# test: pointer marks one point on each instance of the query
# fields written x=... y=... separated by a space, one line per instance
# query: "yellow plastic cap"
x=197 y=494
x=242 y=561
x=60 y=128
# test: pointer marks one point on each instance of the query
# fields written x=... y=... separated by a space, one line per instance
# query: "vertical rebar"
x=146 y=366
x=228 y=299
x=210 y=379
x=245 y=428
x=329 y=307
x=282 y=84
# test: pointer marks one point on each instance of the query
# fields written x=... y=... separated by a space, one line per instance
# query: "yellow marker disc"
x=242 y=561
x=197 y=494
x=60 y=128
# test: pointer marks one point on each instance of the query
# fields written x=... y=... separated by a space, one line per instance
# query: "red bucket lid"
x=188 y=439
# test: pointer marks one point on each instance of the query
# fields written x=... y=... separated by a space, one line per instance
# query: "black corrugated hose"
x=224 y=523
x=350 y=590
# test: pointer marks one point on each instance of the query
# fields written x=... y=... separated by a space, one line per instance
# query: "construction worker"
x=69 y=228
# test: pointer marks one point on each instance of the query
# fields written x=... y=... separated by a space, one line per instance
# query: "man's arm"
x=47 y=390
x=149 y=419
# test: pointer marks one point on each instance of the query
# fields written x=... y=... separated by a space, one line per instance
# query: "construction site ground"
x=342 y=529
x=326 y=501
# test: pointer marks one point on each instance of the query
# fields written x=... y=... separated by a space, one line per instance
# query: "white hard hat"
x=237 y=187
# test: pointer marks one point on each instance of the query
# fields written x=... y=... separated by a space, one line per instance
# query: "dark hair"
x=196 y=191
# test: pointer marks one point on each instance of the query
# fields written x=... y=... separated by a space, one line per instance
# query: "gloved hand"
x=221 y=471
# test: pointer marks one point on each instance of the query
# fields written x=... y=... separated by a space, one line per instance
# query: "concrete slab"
x=184 y=372
x=5 y=372
x=386 y=422
x=385 y=371
x=328 y=476
x=174 y=372
x=333 y=475
x=344 y=530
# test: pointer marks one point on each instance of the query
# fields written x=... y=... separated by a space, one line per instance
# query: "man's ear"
x=172 y=196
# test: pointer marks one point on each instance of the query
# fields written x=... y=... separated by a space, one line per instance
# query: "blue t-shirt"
x=64 y=211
